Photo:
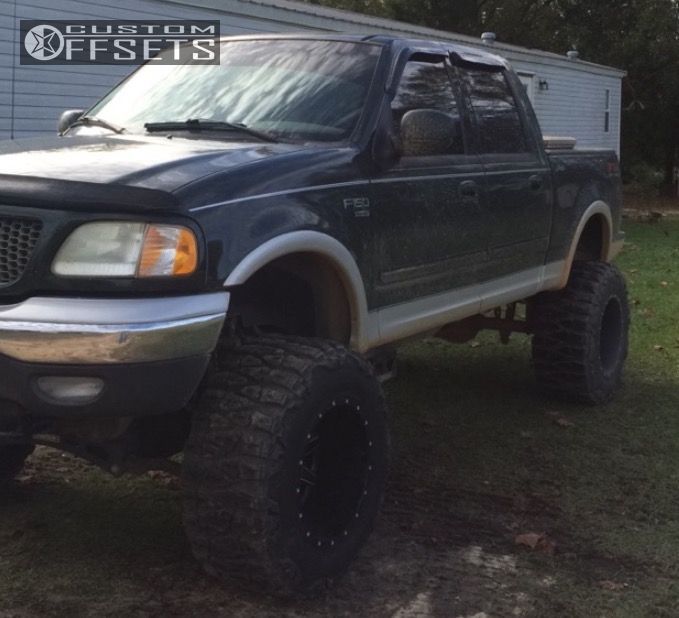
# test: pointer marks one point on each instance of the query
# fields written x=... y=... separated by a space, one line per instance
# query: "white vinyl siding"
x=6 y=63
x=40 y=93
x=574 y=104
x=33 y=97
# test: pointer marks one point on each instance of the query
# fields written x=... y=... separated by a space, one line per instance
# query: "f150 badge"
x=360 y=206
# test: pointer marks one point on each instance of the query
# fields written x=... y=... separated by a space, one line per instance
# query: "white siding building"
x=571 y=97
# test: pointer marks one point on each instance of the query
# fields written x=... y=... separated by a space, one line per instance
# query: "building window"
x=607 y=113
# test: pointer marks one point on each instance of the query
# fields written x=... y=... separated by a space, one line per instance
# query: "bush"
x=646 y=180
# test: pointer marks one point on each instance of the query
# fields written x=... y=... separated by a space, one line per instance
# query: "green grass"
x=478 y=459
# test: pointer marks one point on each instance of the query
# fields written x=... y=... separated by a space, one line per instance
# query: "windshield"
x=294 y=89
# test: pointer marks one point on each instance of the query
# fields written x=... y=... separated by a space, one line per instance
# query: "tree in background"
x=641 y=36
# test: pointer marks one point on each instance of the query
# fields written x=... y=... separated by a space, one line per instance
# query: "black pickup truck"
x=221 y=261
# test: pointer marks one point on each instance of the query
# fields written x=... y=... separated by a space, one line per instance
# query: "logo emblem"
x=112 y=42
x=360 y=206
x=44 y=42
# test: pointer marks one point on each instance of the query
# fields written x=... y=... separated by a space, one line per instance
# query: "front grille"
x=18 y=238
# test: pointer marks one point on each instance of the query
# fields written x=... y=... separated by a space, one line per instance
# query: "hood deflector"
x=35 y=192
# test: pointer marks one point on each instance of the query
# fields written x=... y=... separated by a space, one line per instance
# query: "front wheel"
x=581 y=334
x=286 y=464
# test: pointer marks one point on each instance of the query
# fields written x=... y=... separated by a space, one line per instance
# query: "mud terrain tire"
x=580 y=338
x=286 y=464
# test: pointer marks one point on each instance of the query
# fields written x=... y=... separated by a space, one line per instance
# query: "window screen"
x=499 y=120
x=427 y=85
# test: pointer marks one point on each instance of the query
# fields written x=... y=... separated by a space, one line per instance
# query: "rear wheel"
x=286 y=464
x=581 y=334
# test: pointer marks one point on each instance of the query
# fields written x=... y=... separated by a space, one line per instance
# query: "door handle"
x=535 y=183
x=469 y=191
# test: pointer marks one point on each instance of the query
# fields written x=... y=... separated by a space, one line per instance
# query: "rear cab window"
x=500 y=125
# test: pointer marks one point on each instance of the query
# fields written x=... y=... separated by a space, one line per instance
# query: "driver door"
x=428 y=210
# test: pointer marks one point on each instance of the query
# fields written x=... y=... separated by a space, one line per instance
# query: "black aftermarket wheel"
x=286 y=464
x=581 y=334
x=334 y=473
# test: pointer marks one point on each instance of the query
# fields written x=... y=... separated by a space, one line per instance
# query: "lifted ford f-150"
x=221 y=260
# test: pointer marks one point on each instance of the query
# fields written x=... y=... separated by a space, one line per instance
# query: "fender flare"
x=610 y=247
x=321 y=245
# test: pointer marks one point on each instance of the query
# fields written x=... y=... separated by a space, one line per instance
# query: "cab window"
x=427 y=86
x=500 y=128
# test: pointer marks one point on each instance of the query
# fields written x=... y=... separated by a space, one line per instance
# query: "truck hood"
x=152 y=162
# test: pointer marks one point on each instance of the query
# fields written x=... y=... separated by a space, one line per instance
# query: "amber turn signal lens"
x=186 y=260
x=168 y=251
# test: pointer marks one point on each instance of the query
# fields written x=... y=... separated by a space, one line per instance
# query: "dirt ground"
x=501 y=503
x=422 y=561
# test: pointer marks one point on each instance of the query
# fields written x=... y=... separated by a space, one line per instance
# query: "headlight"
x=118 y=249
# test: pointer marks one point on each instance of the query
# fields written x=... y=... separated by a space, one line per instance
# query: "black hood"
x=152 y=162
x=117 y=171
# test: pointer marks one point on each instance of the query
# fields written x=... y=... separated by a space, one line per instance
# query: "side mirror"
x=428 y=132
x=67 y=119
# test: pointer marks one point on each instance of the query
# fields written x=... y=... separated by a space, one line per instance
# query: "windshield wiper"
x=94 y=121
x=195 y=124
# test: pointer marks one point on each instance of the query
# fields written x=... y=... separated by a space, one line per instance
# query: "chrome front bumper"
x=100 y=331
